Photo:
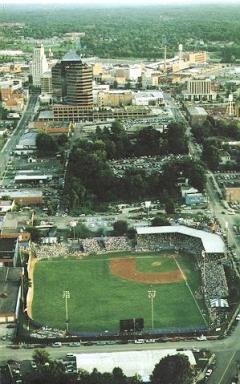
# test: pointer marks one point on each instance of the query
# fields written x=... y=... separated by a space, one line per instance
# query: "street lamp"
x=73 y=225
x=147 y=206
x=227 y=229
x=151 y=296
x=66 y=296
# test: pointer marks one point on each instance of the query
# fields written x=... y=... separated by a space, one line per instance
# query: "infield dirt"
x=126 y=269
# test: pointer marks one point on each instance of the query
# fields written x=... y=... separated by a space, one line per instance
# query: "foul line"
x=191 y=292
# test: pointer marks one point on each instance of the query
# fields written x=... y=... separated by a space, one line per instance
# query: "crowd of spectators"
x=170 y=241
x=119 y=243
x=150 y=164
x=214 y=280
x=51 y=251
x=91 y=246
x=212 y=271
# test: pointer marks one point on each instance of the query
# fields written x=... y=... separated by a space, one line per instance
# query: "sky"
x=117 y=2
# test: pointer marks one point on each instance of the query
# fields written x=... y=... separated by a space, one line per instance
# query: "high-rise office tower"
x=39 y=65
x=72 y=81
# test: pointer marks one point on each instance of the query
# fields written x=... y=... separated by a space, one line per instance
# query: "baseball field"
x=109 y=287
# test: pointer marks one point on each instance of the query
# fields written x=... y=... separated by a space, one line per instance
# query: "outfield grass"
x=99 y=299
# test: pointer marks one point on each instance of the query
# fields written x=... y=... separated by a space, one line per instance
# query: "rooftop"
x=197 y=111
x=131 y=362
x=15 y=220
x=21 y=193
x=9 y=288
x=212 y=243
x=7 y=245
x=71 y=56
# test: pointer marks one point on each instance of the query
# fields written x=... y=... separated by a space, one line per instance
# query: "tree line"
x=211 y=136
x=132 y=32
x=90 y=180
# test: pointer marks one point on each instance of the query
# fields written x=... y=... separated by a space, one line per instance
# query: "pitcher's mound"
x=156 y=263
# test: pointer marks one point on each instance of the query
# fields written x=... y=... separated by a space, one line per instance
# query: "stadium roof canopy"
x=212 y=243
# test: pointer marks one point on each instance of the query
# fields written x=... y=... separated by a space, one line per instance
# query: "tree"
x=45 y=144
x=210 y=155
x=81 y=231
x=169 y=207
x=41 y=357
x=159 y=221
x=176 y=138
x=148 y=142
x=27 y=283
x=116 y=127
x=174 y=369
x=34 y=233
x=120 y=228
x=118 y=376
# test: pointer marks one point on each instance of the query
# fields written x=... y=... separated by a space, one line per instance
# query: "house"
x=192 y=196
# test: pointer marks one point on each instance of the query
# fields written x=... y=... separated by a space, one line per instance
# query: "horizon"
x=120 y=3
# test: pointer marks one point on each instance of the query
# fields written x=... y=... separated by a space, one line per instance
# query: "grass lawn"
x=99 y=299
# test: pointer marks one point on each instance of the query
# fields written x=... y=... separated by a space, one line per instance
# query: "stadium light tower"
x=151 y=296
x=66 y=296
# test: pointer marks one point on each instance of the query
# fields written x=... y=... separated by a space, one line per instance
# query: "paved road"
x=18 y=132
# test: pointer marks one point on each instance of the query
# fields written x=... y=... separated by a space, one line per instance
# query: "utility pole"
x=66 y=296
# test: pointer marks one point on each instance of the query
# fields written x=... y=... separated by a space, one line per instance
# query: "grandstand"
x=180 y=237
x=207 y=248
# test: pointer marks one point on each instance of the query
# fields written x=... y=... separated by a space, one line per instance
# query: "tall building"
x=39 y=64
x=199 y=89
x=72 y=81
x=46 y=83
x=196 y=57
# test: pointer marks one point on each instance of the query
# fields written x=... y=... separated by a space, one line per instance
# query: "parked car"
x=209 y=372
x=57 y=344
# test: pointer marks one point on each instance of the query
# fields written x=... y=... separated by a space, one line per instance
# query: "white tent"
x=219 y=303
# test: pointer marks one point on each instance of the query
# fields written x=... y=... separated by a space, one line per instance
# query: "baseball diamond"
x=108 y=287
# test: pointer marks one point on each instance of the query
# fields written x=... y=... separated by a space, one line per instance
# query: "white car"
x=34 y=365
x=57 y=344
x=238 y=317
x=209 y=372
